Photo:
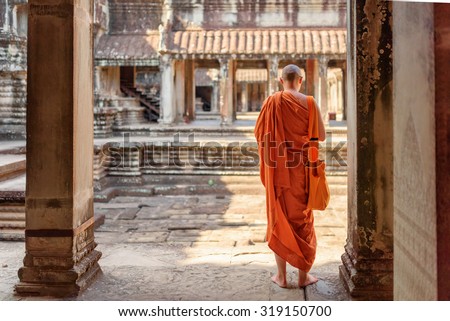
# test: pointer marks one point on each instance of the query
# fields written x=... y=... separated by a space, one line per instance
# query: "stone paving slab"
x=196 y=247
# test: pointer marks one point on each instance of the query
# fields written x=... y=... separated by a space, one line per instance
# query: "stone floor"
x=197 y=247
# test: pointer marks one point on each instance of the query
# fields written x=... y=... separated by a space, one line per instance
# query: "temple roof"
x=258 y=42
x=204 y=44
x=128 y=50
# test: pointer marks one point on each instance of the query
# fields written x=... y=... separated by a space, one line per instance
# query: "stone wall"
x=214 y=14
x=134 y=16
x=148 y=79
x=6 y=11
x=414 y=146
x=13 y=60
x=138 y=16
x=101 y=13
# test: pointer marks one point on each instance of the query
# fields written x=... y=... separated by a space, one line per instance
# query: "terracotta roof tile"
x=341 y=35
x=201 y=41
x=307 y=43
x=217 y=41
x=291 y=42
x=266 y=41
x=299 y=41
x=233 y=41
x=251 y=75
x=241 y=41
x=249 y=44
x=209 y=42
x=273 y=41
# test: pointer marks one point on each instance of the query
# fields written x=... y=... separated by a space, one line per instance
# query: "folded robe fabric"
x=282 y=135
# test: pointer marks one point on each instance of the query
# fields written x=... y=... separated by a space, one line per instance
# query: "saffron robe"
x=282 y=135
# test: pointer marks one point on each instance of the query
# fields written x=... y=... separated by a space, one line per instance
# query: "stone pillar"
x=190 y=88
x=442 y=119
x=244 y=97
x=234 y=89
x=421 y=147
x=323 y=85
x=226 y=76
x=340 y=92
x=97 y=79
x=215 y=101
x=6 y=23
x=344 y=91
x=180 y=89
x=367 y=269
x=60 y=259
x=312 y=77
x=272 y=75
x=167 y=104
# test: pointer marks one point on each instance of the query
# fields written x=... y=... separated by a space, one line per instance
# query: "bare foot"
x=279 y=281
x=305 y=279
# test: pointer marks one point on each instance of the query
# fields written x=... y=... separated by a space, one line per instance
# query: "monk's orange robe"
x=282 y=134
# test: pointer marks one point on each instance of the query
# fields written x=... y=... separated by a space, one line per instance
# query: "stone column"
x=340 y=93
x=312 y=77
x=226 y=91
x=344 y=91
x=442 y=134
x=60 y=259
x=323 y=84
x=190 y=88
x=367 y=269
x=97 y=79
x=234 y=89
x=167 y=104
x=272 y=75
x=244 y=97
x=180 y=89
x=215 y=101
x=6 y=23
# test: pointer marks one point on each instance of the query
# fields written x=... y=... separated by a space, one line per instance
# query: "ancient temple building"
x=166 y=48
x=149 y=51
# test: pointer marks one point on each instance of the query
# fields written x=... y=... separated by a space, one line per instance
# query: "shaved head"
x=291 y=73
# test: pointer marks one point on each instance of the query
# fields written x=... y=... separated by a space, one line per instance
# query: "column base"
x=166 y=123
x=226 y=122
x=58 y=282
x=367 y=279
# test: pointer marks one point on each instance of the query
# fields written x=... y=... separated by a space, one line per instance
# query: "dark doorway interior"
x=205 y=94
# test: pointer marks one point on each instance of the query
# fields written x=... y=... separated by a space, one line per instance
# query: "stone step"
x=228 y=179
x=13 y=187
x=11 y=166
x=12 y=220
x=11 y=216
x=214 y=188
x=12 y=235
x=152 y=130
x=202 y=115
x=14 y=230
x=12 y=225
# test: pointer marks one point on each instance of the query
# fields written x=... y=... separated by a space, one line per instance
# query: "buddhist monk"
x=282 y=134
